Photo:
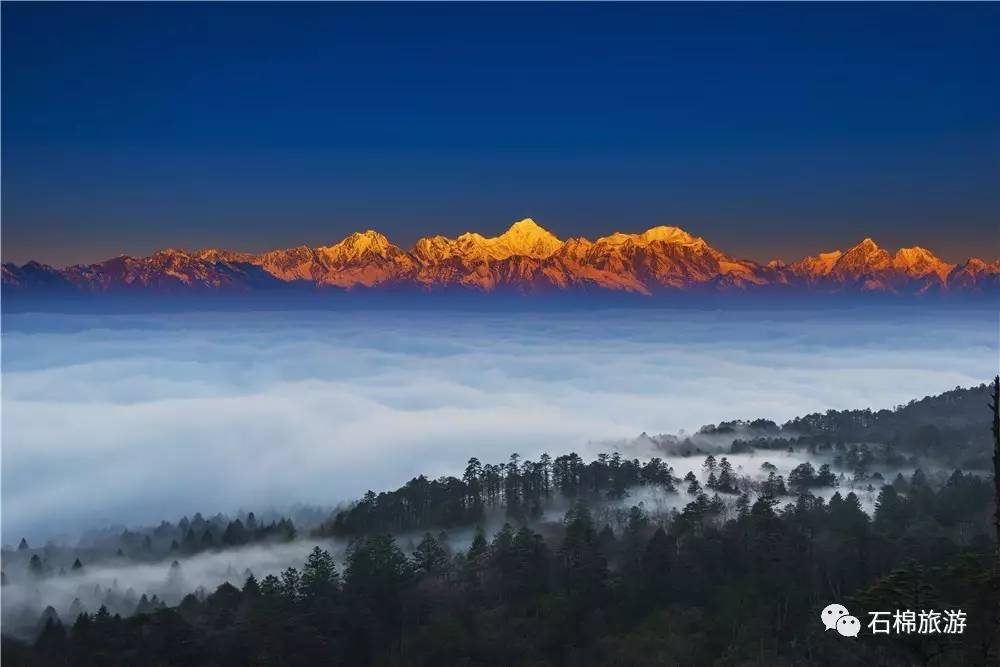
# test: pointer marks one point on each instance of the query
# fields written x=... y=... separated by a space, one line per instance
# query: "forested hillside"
x=735 y=570
x=711 y=586
x=951 y=429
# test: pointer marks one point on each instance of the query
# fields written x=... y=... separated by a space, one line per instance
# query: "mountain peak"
x=526 y=237
x=371 y=235
x=915 y=253
x=863 y=259
x=668 y=235
x=817 y=266
x=526 y=225
x=661 y=233
x=366 y=239
x=866 y=249
x=358 y=245
x=917 y=261
x=523 y=238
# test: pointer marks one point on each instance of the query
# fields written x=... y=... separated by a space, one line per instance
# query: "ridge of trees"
x=521 y=488
x=708 y=584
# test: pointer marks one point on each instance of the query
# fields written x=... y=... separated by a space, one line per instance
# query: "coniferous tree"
x=727 y=479
x=52 y=640
x=235 y=534
x=430 y=557
x=251 y=588
x=290 y=584
x=584 y=567
x=36 y=567
x=319 y=576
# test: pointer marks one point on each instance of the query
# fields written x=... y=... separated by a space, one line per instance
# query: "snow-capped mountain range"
x=525 y=259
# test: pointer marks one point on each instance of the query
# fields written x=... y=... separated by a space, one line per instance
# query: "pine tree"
x=656 y=566
x=75 y=609
x=36 y=567
x=52 y=639
x=376 y=578
x=430 y=558
x=207 y=539
x=584 y=567
x=270 y=587
x=727 y=480
x=710 y=464
x=251 y=589
x=319 y=575
x=712 y=482
x=235 y=534
x=290 y=584
x=743 y=506
x=530 y=569
x=175 y=577
x=634 y=536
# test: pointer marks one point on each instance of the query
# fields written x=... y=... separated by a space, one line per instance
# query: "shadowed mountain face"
x=524 y=259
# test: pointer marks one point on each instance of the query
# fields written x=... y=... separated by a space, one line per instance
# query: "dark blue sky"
x=771 y=130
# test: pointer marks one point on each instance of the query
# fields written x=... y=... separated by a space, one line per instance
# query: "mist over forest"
x=885 y=470
x=153 y=416
x=151 y=461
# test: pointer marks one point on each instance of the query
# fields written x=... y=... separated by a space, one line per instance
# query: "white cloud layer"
x=130 y=419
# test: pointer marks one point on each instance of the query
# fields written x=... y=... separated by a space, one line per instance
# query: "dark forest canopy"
x=740 y=585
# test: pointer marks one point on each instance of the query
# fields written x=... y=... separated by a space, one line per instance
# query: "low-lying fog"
x=134 y=419
x=118 y=583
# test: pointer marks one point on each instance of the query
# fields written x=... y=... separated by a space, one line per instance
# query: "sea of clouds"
x=135 y=418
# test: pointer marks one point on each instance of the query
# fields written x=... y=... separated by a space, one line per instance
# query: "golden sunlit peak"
x=917 y=261
x=662 y=234
x=526 y=237
x=914 y=253
x=369 y=234
x=667 y=235
x=357 y=244
x=367 y=238
x=528 y=229
x=526 y=224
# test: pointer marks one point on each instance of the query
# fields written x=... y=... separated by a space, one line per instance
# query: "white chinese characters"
x=923 y=622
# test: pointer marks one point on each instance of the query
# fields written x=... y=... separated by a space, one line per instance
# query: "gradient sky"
x=770 y=130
